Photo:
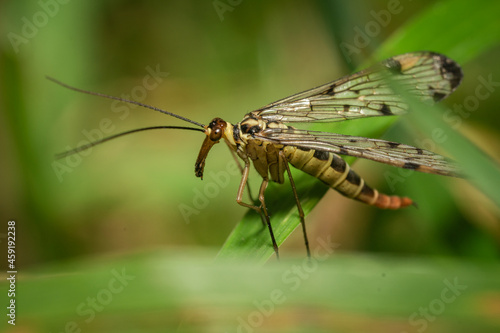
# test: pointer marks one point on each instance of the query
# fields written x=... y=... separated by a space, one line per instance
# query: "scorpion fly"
x=265 y=139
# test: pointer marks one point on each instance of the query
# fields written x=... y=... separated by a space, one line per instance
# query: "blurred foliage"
x=166 y=292
x=139 y=193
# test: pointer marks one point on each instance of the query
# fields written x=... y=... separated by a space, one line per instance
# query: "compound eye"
x=216 y=134
x=217 y=127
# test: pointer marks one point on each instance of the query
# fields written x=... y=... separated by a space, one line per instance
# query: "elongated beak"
x=200 y=161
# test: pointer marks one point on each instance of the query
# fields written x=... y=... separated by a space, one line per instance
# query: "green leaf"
x=441 y=28
x=448 y=27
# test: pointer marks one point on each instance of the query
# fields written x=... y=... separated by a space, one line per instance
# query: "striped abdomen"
x=332 y=170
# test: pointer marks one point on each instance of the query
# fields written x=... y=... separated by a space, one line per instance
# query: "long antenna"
x=92 y=144
x=124 y=100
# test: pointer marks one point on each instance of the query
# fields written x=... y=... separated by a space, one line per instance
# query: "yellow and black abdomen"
x=332 y=170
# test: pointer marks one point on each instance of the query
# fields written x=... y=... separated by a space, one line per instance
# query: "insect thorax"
x=251 y=125
x=263 y=154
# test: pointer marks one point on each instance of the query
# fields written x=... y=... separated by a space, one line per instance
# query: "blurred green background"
x=134 y=202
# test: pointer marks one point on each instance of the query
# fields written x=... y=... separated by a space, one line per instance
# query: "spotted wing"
x=383 y=151
x=428 y=75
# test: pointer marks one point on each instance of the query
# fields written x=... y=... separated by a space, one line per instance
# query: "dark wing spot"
x=438 y=96
x=393 y=65
x=411 y=166
x=343 y=151
x=449 y=66
x=346 y=108
x=353 y=140
x=330 y=91
x=386 y=110
x=393 y=144
x=419 y=151
x=321 y=155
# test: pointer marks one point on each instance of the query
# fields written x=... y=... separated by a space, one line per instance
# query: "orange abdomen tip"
x=393 y=202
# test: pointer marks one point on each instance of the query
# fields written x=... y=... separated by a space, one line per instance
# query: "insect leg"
x=263 y=187
x=241 y=170
x=297 y=201
x=241 y=189
x=262 y=210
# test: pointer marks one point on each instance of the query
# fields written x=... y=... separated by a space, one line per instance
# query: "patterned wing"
x=383 y=151
x=431 y=76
